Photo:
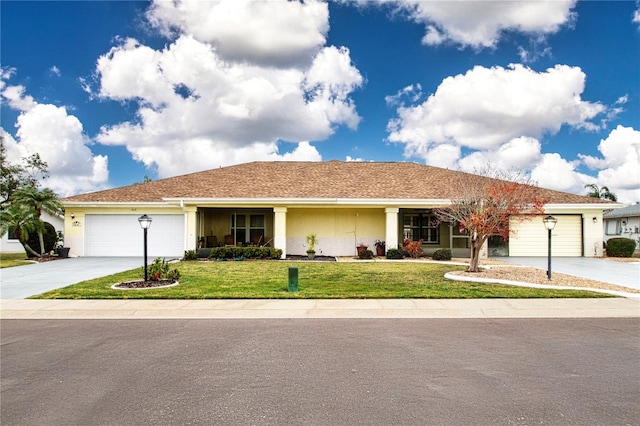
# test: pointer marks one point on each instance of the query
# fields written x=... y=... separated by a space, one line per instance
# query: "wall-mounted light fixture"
x=73 y=216
x=595 y=219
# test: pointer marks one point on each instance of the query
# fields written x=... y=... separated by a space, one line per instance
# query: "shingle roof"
x=310 y=180
x=628 y=211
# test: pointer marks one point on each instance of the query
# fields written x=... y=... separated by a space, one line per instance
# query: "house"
x=624 y=222
x=280 y=203
x=9 y=244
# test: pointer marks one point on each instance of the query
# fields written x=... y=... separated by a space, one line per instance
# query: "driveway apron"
x=21 y=282
x=608 y=271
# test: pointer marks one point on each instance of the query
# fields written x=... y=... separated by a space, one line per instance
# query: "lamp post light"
x=549 y=224
x=145 y=223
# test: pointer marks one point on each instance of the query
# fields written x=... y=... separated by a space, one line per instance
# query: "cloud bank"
x=236 y=81
x=58 y=137
x=499 y=115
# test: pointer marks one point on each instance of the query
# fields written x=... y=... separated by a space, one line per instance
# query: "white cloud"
x=480 y=24
x=487 y=107
x=619 y=166
x=636 y=15
x=55 y=71
x=498 y=116
x=274 y=33
x=58 y=137
x=214 y=98
x=555 y=172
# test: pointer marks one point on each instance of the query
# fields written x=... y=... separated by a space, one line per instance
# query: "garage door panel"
x=121 y=235
x=529 y=237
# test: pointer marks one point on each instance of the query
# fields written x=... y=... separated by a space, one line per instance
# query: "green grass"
x=8 y=260
x=317 y=280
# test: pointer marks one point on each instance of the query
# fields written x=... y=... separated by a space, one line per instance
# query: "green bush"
x=158 y=269
x=394 y=253
x=442 y=254
x=190 y=255
x=365 y=254
x=620 y=247
x=245 y=252
x=49 y=235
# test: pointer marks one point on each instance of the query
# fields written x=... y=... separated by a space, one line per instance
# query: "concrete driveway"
x=608 y=271
x=21 y=282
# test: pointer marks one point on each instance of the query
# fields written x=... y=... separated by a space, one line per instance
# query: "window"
x=421 y=226
x=613 y=227
x=253 y=228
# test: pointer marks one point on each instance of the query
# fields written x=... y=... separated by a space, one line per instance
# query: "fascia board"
x=94 y=204
x=374 y=202
x=583 y=207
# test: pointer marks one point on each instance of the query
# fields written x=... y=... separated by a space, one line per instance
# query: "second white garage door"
x=530 y=238
x=121 y=235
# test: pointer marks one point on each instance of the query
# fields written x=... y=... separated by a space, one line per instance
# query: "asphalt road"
x=321 y=372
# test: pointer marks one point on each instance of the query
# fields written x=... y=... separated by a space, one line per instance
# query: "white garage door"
x=530 y=238
x=121 y=235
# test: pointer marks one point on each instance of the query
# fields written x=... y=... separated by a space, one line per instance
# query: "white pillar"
x=190 y=228
x=391 y=237
x=280 y=229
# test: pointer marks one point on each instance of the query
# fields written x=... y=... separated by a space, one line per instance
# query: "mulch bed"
x=318 y=258
x=145 y=284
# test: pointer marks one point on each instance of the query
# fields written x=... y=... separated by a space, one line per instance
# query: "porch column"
x=190 y=227
x=280 y=229
x=391 y=236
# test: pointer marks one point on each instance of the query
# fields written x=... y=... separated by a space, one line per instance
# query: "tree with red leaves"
x=485 y=207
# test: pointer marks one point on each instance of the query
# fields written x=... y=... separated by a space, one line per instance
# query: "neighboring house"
x=280 y=203
x=12 y=245
x=624 y=222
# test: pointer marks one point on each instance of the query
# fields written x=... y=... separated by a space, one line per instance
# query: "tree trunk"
x=476 y=246
x=41 y=238
x=473 y=261
x=28 y=249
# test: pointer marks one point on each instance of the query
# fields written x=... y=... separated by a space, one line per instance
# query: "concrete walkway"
x=608 y=271
x=308 y=308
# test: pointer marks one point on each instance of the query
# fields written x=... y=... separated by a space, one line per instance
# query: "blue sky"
x=108 y=92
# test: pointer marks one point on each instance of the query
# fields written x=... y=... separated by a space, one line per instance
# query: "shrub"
x=394 y=253
x=414 y=248
x=245 y=252
x=173 y=275
x=49 y=235
x=158 y=269
x=365 y=254
x=190 y=255
x=442 y=254
x=620 y=247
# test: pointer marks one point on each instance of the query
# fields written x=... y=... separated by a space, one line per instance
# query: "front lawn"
x=317 y=280
x=8 y=260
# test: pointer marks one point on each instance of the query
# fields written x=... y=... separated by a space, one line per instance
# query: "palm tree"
x=20 y=220
x=602 y=193
x=38 y=201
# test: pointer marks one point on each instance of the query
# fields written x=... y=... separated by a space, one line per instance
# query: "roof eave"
x=377 y=202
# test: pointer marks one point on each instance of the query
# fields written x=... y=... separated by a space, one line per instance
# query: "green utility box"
x=293 y=278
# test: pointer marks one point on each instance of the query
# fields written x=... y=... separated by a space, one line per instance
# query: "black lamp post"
x=145 y=223
x=549 y=223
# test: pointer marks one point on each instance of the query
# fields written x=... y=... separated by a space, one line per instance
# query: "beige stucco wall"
x=339 y=230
